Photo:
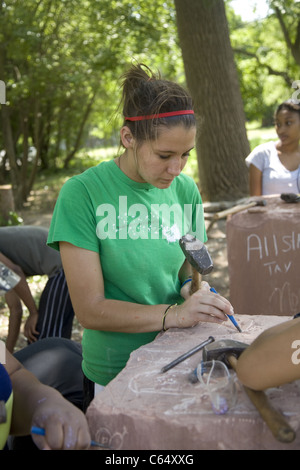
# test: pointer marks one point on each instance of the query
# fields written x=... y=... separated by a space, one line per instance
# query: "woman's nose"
x=175 y=167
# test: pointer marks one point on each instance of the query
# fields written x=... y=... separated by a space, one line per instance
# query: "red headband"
x=160 y=115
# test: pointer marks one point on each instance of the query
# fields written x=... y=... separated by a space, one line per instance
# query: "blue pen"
x=231 y=317
x=41 y=432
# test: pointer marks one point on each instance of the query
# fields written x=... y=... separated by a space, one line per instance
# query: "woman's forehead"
x=175 y=139
x=168 y=132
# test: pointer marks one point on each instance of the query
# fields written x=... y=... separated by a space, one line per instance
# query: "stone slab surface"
x=144 y=409
x=263 y=249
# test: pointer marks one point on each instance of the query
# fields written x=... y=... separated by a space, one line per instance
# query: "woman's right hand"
x=202 y=306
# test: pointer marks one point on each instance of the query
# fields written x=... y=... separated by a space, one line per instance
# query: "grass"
x=258 y=135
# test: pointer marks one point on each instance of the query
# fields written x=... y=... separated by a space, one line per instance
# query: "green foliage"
x=264 y=59
x=13 y=219
x=61 y=60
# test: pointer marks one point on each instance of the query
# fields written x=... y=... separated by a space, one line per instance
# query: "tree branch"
x=288 y=80
x=80 y=130
x=283 y=27
x=297 y=40
x=294 y=48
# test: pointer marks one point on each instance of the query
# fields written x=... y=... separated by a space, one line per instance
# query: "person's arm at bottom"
x=38 y=405
x=273 y=358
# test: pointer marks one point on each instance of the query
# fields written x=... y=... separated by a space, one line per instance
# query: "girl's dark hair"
x=289 y=105
x=145 y=93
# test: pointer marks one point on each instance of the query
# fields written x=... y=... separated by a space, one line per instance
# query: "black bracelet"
x=165 y=314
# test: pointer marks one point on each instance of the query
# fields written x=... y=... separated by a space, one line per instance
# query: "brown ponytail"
x=146 y=94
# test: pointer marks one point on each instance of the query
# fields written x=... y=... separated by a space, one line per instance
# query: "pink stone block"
x=263 y=247
x=144 y=409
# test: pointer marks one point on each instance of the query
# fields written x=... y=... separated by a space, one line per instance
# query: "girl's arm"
x=86 y=286
x=22 y=288
x=15 y=319
x=255 y=181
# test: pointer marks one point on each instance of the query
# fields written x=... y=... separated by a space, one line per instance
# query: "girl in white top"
x=274 y=167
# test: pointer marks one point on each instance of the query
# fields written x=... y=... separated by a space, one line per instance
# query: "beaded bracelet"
x=187 y=280
x=165 y=314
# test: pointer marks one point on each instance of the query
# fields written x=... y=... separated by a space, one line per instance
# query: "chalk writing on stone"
x=260 y=247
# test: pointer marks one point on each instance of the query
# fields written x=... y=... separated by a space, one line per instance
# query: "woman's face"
x=287 y=125
x=159 y=161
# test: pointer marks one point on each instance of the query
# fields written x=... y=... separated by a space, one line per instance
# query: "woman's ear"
x=127 y=138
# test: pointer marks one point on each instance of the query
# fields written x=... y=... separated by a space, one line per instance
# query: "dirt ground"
x=35 y=214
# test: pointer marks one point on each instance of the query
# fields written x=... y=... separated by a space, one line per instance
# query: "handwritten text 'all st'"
x=274 y=251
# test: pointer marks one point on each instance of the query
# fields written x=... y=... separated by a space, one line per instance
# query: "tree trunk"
x=7 y=133
x=7 y=204
x=80 y=130
x=10 y=152
x=211 y=75
x=24 y=119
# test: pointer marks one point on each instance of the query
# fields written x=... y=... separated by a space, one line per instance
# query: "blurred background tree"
x=61 y=60
x=267 y=54
x=212 y=78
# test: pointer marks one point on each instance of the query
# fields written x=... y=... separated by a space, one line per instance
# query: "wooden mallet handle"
x=195 y=283
x=275 y=420
x=238 y=208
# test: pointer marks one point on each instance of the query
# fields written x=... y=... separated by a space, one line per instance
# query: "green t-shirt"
x=135 y=228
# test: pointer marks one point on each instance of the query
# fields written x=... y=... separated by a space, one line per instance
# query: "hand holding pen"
x=231 y=317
